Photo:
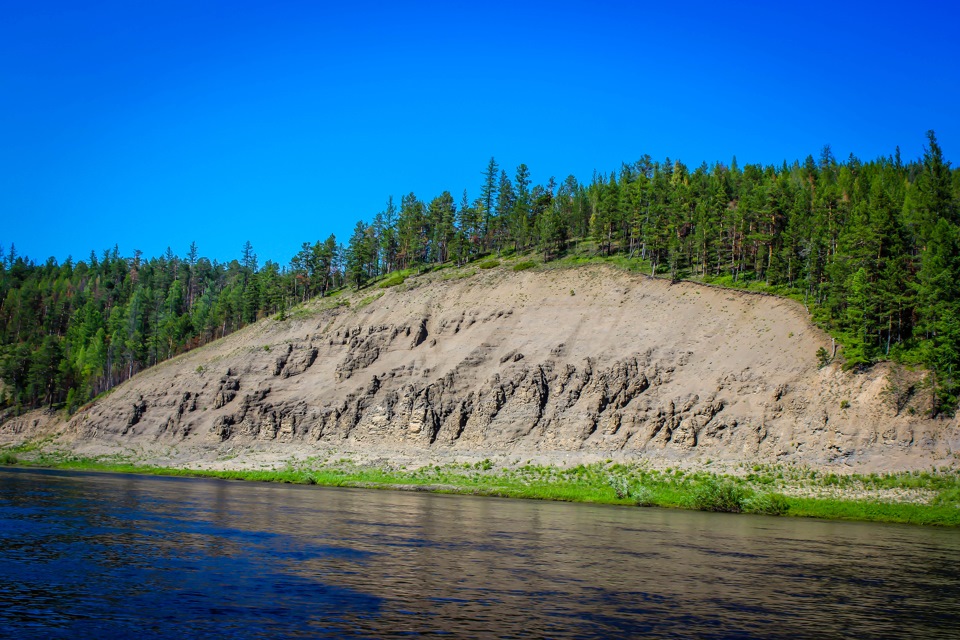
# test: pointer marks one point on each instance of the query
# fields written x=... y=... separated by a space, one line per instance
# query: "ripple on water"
x=113 y=556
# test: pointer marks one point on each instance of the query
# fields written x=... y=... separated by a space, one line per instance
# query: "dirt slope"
x=568 y=364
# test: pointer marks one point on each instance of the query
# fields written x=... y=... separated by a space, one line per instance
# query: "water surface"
x=104 y=555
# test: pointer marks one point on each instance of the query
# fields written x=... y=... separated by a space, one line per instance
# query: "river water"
x=101 y=555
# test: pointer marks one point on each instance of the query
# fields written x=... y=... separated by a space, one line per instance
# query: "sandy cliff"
x=577 y=362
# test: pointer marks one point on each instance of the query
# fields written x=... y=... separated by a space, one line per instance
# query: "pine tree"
x=505 y=204
x=470 y=223
x=871 y=246
x=488 y=195
x=412 y=232
x=933 y=199
x=939 y=306
x=520 y=216
x=442 y=217
x=358 y=256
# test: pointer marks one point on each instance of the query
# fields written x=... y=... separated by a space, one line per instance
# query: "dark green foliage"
x=872 y=249
x=74 y=330
x=524 y=265
x=360 y=255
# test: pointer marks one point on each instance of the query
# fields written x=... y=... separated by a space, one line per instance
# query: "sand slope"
x=588 y=362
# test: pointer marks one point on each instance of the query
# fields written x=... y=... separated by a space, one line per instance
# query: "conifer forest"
x=871 y=248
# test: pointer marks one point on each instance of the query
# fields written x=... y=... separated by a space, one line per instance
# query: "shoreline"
x=930 y=498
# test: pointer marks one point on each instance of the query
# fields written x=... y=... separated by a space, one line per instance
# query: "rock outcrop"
x=506 y=362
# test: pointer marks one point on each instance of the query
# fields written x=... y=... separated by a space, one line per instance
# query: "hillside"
x=556 y=365
x=872 y=248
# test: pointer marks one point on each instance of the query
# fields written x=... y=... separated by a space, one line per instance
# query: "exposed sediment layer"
x=586 y=361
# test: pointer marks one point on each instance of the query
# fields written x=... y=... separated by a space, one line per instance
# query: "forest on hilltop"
x=872 y=248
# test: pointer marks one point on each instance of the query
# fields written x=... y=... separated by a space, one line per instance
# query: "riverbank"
x=918 y=497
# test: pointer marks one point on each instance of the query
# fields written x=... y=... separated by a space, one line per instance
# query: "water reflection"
x=104 y=555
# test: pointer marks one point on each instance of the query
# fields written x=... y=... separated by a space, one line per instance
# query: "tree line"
x=872 y=248
x=73 y=330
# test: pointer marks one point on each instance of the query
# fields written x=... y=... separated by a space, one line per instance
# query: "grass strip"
x=772 y=491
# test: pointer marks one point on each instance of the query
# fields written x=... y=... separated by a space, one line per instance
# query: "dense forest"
x=872 y=248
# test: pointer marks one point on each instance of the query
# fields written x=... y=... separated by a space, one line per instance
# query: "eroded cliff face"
x=530 y=363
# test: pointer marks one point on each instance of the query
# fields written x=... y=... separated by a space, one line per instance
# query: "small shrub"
x=523 y=266
x=71 y=404
x=823 y=357
x=643 y=497
x=947 y=497
x=844 y=404
x=8 y=458
x=620 y=486
x=489 y=264
x=200 y=369
x=770 y=504
x=723 y=497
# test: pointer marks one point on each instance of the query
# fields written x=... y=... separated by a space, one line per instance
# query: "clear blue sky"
x=151 y=124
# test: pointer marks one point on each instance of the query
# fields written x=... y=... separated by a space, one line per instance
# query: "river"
x=105 y=555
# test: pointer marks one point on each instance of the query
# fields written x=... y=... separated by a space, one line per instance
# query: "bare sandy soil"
x=550 y=366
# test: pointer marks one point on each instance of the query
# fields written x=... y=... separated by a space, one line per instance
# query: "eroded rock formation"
x=512 y=363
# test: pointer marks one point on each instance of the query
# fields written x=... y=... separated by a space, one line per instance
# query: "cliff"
x=586 y=362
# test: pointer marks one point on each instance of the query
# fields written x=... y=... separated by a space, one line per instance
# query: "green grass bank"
x=921 y=497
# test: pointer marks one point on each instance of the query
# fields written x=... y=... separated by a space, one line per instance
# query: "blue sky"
x=154 y=124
